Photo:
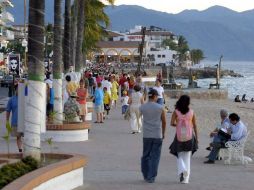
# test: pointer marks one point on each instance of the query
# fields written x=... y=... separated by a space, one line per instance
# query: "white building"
x=6 y=18
x=123 y=47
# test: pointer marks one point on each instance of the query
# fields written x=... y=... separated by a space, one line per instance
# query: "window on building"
x=121 y=39
x=163 y=56
x=159 y=56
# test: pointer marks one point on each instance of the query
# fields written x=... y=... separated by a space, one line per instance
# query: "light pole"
x=24 y=41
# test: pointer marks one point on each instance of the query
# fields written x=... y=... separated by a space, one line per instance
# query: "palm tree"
x=182 y=50
x=74 y=10
x=67 y=38
x=170 y=43
x=96 y=20
x=196 y=56
x=80 y=35
x=57 y=62
x=36 y=99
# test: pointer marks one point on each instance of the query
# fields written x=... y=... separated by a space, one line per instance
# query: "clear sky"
x=176 y=6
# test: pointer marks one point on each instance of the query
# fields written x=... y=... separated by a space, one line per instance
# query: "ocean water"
x=235 y=86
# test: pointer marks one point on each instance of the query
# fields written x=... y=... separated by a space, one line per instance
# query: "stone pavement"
x=114 y=162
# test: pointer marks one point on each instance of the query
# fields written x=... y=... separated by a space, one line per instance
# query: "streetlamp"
x=24 y=41
x=24 y=44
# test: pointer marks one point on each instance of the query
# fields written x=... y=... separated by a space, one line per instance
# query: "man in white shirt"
x=237 y=131
x=160 y=90
x=107 y=84
x=224 y=124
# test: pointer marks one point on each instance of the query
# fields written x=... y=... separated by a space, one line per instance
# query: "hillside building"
x=123 y=47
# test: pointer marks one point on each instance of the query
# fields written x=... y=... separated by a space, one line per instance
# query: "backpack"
x=184 y=126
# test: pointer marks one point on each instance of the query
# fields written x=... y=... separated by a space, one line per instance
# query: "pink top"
x=184 y=126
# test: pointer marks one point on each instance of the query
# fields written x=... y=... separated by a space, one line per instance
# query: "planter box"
x=64 y=175
x=67 y=132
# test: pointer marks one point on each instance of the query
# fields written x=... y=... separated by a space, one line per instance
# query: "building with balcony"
x=6 y=19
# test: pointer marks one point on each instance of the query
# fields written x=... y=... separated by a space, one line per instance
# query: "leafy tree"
x=96 y=18
x=196 y=56
x=170 y=43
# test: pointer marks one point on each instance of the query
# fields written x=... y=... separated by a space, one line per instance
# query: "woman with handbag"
x=186 y=139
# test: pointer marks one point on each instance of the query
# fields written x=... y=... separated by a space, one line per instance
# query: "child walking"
x=106 y=101
x=124 y=101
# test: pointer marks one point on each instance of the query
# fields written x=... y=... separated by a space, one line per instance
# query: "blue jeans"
x=160 y=101
x=151 y=158
x=218 y=140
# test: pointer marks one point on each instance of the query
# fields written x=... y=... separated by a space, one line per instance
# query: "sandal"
x=101 y=122
x=96 y=122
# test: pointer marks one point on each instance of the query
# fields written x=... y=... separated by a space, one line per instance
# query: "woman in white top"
x=160 y=90
x=135 y=101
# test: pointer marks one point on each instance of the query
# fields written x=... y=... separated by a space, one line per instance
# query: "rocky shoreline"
x=207 y=72
x=184 y=73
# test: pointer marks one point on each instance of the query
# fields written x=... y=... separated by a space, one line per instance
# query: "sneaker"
x=209 y=162
x=149 y=180
x=208 y=148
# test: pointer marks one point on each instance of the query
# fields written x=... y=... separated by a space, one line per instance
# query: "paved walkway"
x=114 y=162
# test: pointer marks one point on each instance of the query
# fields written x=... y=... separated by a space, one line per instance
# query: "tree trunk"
x=36 y=99
x=67 y=39
x=80 y=35
x=57 y=63
x=74 y=32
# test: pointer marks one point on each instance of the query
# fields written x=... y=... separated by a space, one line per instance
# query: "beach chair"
x=235 y=150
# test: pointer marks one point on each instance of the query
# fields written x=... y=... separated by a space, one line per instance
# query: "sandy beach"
x=207 y=114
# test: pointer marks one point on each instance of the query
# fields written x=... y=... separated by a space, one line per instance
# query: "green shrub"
x=10 y=172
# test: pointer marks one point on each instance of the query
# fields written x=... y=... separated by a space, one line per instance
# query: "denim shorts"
x=124 y=109
x=99 y=108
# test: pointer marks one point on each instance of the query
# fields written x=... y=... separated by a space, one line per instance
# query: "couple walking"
x=154 y=127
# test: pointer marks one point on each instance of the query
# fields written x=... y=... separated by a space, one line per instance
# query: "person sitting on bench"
x=225 y=123
x=236 y=131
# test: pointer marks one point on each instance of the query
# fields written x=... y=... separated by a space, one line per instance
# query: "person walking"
x=82 y=93
x=135 y=101
x=160 y=90
x=154 y=126
x=185 y=141
x=12 y=108
x=98 y=103
x=114 y=90
x=106 y=101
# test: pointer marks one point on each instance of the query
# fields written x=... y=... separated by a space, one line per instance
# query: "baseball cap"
x=152 y=92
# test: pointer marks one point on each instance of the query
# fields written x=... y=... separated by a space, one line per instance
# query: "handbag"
x=127 y=114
